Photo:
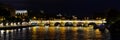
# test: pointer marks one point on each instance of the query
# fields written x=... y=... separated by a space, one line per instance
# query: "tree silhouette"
x=112 y=15
x=4 y=11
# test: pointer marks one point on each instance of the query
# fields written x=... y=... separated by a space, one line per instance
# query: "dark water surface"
x=54 y=33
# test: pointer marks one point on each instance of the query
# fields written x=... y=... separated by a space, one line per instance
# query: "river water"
x=54 y=33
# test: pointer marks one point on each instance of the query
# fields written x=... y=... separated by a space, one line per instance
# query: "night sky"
x=66 y=7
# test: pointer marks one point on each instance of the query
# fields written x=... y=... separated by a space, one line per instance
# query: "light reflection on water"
x=53 y=33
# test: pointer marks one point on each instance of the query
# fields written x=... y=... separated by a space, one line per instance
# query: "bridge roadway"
x=63 y=22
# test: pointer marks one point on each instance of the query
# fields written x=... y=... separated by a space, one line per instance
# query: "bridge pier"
x=62 y=24
x=75 y=24
x=51 y=24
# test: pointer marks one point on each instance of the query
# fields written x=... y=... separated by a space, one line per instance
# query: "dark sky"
x=67 y=7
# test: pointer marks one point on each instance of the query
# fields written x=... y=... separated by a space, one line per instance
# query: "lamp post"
x=34 y=18
x=59 y=15
x=74 y=17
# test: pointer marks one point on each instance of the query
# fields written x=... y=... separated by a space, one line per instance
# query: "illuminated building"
x=21 y=13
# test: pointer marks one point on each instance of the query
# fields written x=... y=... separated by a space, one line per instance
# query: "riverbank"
x=15 y=27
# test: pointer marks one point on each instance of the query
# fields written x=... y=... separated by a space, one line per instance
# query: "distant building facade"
x=21 y=13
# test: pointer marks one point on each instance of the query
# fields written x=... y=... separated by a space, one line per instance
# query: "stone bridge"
x=67 y=22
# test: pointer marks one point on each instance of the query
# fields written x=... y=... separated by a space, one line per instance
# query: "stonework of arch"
x=57 y=24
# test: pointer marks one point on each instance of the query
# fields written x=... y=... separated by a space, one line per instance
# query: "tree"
x=113 y=15
x=4 y=11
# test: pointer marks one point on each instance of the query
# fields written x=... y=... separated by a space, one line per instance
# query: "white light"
x=80 y=27
x=14 y=24
x=104 y=22
x=14 y=29
x=37 y=26
x=7 y=31
x=1 y=24
x=46 y=26
x=2 y=31
x=68 y=28
x=23 y=23
x=11 y=30
x=19 y=29
x=21 y=11
x=18 y=23
x=59 y=15
x=57 y=27
x=34 y=21
x=29 y=28
x=6 y=24
x=91 y=21
x=24 y=28
x=11 y=24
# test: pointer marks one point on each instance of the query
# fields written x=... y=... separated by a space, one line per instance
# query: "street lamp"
x=59 y=15
x=34 y=17
x=74 y=17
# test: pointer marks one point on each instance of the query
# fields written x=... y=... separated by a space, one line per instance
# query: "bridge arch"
x=47 y=24
x=68 y=24
x=92 y=23
x=57 y=24
x=79 y=24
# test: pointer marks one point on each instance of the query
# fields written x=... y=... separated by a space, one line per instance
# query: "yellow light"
x=11 y=24
x=34 y=29
x=34 y=17
x=97 y=31
x=104 y=19
x=75 y=28
x=62 y=30
x=16 y=17
x=7 y=31
x=7 y=24
x=14 y=24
